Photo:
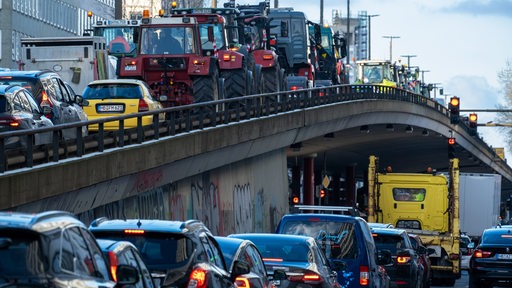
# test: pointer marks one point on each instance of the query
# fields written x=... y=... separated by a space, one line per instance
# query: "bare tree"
x=505 y=77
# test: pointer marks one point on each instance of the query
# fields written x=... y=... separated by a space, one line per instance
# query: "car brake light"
x=364 y=275
x=197 y=279
x=143 y=105
x=403 y=259
x=242 y=282
x=13 y=122
x=268 y=57
x=227 y=57
x=133 y=231
x=113 y=264
x=310 y=278
x=454 y=256
x=481 y=254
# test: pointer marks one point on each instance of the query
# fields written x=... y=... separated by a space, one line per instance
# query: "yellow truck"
x=423 y=204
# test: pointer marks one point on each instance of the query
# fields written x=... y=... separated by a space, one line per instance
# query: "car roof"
x=273 y=236
x=116 y=81
x=318 y=216
x=169 y=226
x=390 y=231
x=5 y=88
x=380 y=225
x=30 y=73
x=39 y=222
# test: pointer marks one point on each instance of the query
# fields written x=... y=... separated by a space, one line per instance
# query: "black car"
x=177 y=253
x=491 y=262
x=53 y=249
x=301 y=259
x=244 y=250
x=19 y=111
x=424 y=257
x=49 y=90
x=405 y=270
x=346 y=241
x=125 y=253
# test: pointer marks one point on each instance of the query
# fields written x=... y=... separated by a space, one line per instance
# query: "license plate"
x=504 y=256
x=130 y=68
x=110 y=108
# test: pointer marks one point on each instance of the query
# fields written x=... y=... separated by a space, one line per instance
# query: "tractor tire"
x=206 y=88
x=271 y=82
x=235 y=82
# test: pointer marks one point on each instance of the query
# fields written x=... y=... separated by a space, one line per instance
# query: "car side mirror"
x=240 y=268
x=279 y=274
x=126 y=275
x=383 y=257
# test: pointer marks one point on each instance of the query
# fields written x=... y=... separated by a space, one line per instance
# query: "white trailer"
x=78 y=60
x=479 y=202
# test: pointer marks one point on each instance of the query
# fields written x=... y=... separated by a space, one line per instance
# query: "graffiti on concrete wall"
x=206 y=203
x=151 y=204
x=242 y=209
x=177 y=210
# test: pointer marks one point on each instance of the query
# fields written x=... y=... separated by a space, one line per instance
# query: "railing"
x=187 y=118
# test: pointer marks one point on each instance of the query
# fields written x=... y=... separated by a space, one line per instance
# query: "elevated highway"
x=338 y=127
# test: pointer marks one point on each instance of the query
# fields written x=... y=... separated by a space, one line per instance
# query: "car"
x=346 y=241
x=405 y=270
x=51 y=91
x=424 y=258
x=177 y=253
x=303 y=262
x=244 y=250
x=491 y=262
x=125 y=253
x=117 y=97
x=19 y=111
x=465 y=251
x=53 y=249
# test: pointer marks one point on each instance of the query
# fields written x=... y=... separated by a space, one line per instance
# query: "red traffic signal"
x=322 y=193
x=295 y=199
x=451 y=141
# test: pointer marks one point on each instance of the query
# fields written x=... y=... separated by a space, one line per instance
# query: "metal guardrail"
x=187 y=118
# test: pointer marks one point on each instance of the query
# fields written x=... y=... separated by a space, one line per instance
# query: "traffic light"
x=451 y=148
x=473 y=119
x=322 y=193
x=454 y=107
x=295 y=199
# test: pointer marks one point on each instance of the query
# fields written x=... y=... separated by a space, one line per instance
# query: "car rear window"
x=497 y=238
x=113 y=91
x=157 y=249
x=337 y=239
x=21 y=256
x=27 y=83
x=393 y=243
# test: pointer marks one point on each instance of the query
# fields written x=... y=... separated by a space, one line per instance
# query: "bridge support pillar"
x=309 y=180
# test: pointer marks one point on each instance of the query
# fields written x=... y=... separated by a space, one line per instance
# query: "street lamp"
x=391 y=46
x=370 y=35
x=408 y=59
x=423 y=75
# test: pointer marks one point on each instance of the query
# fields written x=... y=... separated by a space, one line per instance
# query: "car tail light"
x=198 y=279
x=133 y=231
x=454 y=256
x=309 y=278
x=13 y=122
x=45 y=101
x=242 y=282
x=143 y=105
x=403 y=259
x=268 y=57
x=481 y=253
x=273 y=259
x=113 y=264
x=227 y=57
x=364 y=275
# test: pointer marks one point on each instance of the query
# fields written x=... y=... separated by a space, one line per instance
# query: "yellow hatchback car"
x=116 y=97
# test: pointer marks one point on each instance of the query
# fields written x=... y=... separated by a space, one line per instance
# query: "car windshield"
x=393 y=243
x=158 y=250
x=113 y=91
x=336 y=239
x=21 y=255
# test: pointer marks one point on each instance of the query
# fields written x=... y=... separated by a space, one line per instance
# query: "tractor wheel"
x=206 y=88
x=235 y=82
x=271 y=79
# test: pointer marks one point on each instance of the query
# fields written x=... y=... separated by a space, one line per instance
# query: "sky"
x=462 y=43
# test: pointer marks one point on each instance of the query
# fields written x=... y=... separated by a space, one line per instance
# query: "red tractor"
x=179 y=62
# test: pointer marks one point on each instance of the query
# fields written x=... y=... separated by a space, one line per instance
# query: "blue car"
x=346 y=241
